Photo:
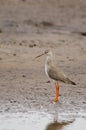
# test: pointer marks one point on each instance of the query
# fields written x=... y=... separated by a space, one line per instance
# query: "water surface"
x=41 y=121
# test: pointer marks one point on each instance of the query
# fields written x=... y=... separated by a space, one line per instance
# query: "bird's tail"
x=68 y=81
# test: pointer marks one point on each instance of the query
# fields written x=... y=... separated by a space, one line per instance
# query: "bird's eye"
x=46 y=51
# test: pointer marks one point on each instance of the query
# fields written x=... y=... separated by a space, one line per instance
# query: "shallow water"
x=41 y=121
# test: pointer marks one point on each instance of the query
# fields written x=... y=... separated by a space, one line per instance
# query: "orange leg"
x=57 y=92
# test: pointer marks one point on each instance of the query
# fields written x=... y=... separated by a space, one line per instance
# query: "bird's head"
x=46 y=52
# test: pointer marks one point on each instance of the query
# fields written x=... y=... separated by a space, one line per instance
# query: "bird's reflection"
x=56 y=125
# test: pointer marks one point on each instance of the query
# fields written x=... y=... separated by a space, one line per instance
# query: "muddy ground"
x=27 y=28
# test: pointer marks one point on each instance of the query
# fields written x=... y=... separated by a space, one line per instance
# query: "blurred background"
x=40 y=16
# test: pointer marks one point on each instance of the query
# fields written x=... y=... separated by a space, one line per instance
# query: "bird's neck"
x=49 y=60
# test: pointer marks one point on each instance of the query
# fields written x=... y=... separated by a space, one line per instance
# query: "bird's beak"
x=40 y=55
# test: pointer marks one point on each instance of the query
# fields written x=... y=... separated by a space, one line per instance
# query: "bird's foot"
x=55 y=100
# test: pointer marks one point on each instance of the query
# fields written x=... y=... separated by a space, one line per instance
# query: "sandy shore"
x=28 y=28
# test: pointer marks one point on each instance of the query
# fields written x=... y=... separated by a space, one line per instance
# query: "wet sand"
x=26 y=29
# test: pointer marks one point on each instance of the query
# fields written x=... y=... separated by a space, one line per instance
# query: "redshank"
x=54 y=73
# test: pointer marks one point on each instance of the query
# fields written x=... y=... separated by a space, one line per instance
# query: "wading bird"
x=54 y=73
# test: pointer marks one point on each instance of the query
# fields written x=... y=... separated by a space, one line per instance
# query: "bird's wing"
x=55 y=73
x=58 y=75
